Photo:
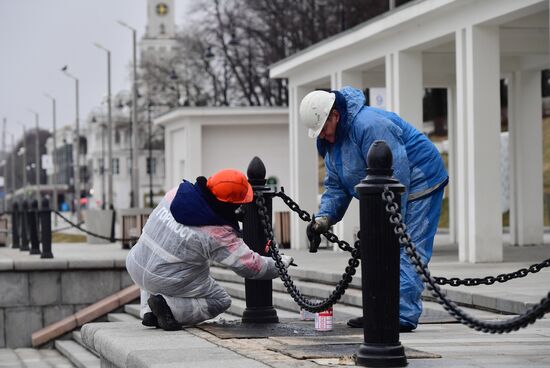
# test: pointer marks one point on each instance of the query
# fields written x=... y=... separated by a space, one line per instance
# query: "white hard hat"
x=315 y=109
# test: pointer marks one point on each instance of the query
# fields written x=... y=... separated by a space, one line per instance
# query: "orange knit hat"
x=230 y=186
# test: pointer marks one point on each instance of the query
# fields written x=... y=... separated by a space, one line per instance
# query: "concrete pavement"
x=457 y=345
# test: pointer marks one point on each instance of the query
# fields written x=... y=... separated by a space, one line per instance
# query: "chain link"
x=300 y=299
x=513 y=324
x=490 y=280
x=305 y=216
x=77 y=226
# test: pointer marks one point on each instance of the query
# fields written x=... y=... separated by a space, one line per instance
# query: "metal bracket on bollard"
x=379 y=264
x=259 y=293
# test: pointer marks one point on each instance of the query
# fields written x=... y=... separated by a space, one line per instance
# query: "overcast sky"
x=38 y=37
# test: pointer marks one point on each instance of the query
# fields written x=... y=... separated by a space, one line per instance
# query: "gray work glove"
x=287 y=260
x=315 y=228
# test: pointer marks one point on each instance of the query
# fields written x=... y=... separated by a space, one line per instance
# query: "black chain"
x=94 y=234
x=490 y=280
x=513 y=324
x=300 y=299
x=305 y=216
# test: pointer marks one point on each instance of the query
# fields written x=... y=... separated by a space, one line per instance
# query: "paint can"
x=323 y=320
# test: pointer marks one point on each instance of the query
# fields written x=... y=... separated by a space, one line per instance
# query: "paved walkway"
x=458 y=345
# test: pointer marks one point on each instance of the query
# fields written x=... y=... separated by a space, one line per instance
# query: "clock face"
x=162 y=9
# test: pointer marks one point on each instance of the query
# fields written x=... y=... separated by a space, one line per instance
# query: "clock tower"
x=159 y=38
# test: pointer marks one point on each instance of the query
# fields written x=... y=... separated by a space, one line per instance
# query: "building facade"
x=466 y=47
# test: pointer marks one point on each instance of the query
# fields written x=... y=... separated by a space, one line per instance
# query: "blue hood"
x=190 y=208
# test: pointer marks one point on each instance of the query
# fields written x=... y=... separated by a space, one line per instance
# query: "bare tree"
x=227 y=46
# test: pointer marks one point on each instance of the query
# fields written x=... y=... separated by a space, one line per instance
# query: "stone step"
x=33 y=358
x=77 y=337
x=318 y=290
x=122 y=317
x=342 y=311
x=132 y=309
x=77 y=354
x=318 y=278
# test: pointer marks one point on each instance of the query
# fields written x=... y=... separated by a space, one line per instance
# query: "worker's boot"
x=164 y=315
x=150 y=320
x=356 y=322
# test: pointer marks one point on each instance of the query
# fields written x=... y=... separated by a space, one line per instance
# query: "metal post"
x=259 y=293
x=15 y=225
x=37 y=155
x=54 y=155
x=135 y=132
x=379 y=264
x=102 y=168
x=24 y=228
x=4 y=208
x=109 y=134
x=46 y=228
x=32 y=217
x=24 y=162
x=13 y=156
x=77 y=148
x=150 y=155
x=76 y=144
x=134 y=194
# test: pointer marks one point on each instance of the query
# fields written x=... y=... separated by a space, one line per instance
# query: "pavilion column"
x=404 y=87
x=478 y=144
x=525 y=144
x=452 y=164
x=303 y=167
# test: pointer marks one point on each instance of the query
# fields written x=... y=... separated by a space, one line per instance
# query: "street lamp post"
x=54 y=156
x=13 y=168
x=4 y=208
x=135 y=172
x=24 y=159
x=102 y=166
x=109 y=132
x=150 y=124
x=76 y=145
x=37 y=154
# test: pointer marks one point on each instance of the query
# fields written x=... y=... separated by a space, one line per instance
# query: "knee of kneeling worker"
x=217 y=306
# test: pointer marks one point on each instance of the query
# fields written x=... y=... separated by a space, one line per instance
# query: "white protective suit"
x=172 y=259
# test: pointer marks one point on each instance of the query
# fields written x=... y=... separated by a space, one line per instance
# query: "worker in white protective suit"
x=193 y=225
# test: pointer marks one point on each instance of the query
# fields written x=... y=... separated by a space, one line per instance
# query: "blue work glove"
x=315 y=228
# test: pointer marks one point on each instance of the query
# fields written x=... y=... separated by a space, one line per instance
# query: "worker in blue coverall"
x=345 y=128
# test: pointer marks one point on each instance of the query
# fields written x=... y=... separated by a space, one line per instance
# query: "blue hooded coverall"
x=417 y=165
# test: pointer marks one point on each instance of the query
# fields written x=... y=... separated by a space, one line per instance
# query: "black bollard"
x=15 y=225
x=259 y=293
x=46 y=228
x=24 y=226
x=113 y=221
x=379 y=264
x=33 y=227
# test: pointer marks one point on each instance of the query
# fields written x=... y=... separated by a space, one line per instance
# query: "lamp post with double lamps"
x=76 y=144
x=37 y=154
x=109 y=132
x=135 y=172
